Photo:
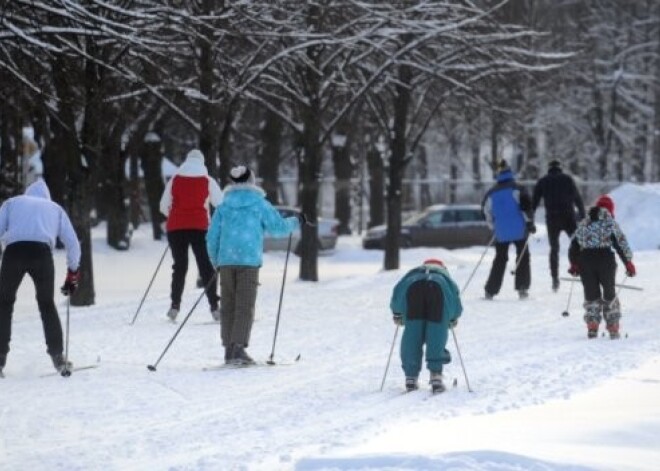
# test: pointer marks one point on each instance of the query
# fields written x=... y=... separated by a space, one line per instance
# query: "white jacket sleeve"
x=166 y=198
x=215 y=193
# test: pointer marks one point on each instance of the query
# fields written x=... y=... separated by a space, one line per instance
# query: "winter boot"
x=613 y=329
x=437 y=386
x=592 y=330
x=3 y=362
x=555 y=284
x=173 y=312
x=488 y=296
x=239 y=356
x=228 y=354
x=411 y=383
x=612 y=314
x=59 y=363
x=215 y=313
x=592 y=317
x=523 y=294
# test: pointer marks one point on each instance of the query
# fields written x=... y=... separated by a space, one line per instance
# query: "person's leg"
x=42 y=271
x=179 y=241
x=412 y=343
x=523 y=277
x=247 y=282
x=496 y=276
x=11 y=275
x=436 y=341
x=198 y=244
x=227 y=303
x=592 y=295
x=611 y=305
x=554 y=226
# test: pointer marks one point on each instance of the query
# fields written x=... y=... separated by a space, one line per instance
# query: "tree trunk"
x=208 y=140
x=425 y=197
x=343 y=166
x=398 y=162
x=376 y=185
x=269 y=155
x=153 y=180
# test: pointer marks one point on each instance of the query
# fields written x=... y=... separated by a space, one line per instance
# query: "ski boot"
x=555 y=284
x=239 y=356
x=411 y=383
x=437 y=386
x=523 y=294
x=592 y=330
x=488 y=296
x=612 y=314
x=592 y=317
x=215 y=314
x=173 y=312
x=3 y=362
x=613 y=330
x=59 y=363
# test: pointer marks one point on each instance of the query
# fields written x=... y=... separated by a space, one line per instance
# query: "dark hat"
x=554 y=163
x=501 y=166
x=241 y=174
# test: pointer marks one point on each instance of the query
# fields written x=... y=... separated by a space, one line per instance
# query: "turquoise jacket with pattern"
x=236 y=232
x=452 y=307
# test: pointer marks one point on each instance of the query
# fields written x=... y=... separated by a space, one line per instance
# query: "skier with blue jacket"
x=508 y=210
x=234 y=242
x=427 y=302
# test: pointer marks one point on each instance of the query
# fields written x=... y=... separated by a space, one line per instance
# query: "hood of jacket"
x=193 y=166
x=38 y=189
x=505 y=175
x=241 y=196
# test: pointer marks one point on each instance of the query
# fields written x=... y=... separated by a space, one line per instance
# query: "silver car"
x=327 y=230
x=450 y=226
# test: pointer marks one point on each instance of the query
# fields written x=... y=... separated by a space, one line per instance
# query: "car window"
x=469 y=215
x=438 y=218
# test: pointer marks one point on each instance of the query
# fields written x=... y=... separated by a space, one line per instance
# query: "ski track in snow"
x=121 y=416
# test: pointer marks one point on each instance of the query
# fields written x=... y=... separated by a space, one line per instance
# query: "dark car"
x=449 y=226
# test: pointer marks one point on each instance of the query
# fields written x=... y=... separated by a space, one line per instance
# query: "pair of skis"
x=261 y=363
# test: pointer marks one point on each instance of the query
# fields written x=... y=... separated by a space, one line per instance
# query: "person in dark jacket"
x=427 y=301
x=30 y=224
x=563 y=208
x=591 y=255
x=508 y=210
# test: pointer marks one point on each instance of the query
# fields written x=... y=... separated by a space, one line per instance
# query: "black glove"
x=453 y=323
x=302 y=218
x=531 y=227
x=397 y=319
x=70 y=282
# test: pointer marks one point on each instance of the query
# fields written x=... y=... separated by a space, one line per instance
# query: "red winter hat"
x=434 y=261
x=606 y=202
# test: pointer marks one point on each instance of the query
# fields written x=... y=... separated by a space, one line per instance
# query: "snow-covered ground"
x=544 y=397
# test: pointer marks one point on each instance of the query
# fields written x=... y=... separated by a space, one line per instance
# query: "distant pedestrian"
x=427 y=302
x=235 y=245
x=563 y=208
x=185 y=202
x=508 y=210
x=29 y=227
x=591 y=255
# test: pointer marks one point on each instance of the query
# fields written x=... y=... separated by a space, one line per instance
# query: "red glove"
x=574 y=270
x=630 y=269
x=70 y=282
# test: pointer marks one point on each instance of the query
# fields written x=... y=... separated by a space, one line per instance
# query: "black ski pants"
x=557 y=222
x=598 y=274
x=523 y=274
x=35 y=259
x=180 y=241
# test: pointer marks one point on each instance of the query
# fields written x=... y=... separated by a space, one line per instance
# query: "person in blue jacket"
x=235 y=245
x=427 y=302
x=508 y=210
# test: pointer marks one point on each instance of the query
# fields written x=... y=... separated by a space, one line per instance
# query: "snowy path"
x=123 y=417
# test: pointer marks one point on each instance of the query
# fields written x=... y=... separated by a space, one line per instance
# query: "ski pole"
x=66 y=372
x=211 y=281
x=270 y=360
x=478 y=263
x=568 y=303
x=389 y=358
x=150 y=283
x=460 y=357
x=522 y=254
x=618 y=285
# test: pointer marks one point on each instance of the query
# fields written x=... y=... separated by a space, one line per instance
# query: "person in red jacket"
x=185 y=202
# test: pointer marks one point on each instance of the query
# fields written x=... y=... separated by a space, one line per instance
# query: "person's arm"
x=166 y=198
x=213 y=237
x=215 y=193
x=577 y=200
x=275 y=224
x=538 y=194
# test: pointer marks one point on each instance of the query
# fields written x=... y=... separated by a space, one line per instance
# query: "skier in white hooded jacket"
x=29 y=226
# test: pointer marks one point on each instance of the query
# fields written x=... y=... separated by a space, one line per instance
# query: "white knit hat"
x=195 y=154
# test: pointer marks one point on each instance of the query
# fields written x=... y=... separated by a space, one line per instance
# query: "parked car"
x=450 y=226
x=327 y=230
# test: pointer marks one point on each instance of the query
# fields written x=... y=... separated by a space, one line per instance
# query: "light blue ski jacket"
x=236 y=233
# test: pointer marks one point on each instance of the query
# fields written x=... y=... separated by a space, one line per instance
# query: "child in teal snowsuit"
x=427 y=301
